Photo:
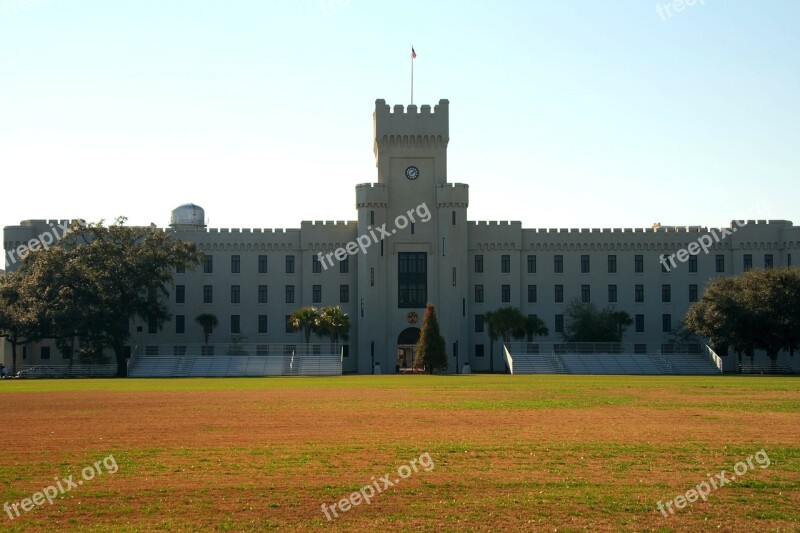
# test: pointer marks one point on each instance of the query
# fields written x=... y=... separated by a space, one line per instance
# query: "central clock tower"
x=424 y=258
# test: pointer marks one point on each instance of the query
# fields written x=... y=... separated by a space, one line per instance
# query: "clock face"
x=412 y=173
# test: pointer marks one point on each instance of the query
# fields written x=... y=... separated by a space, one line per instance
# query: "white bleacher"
x=299 y=360
x=601 y=358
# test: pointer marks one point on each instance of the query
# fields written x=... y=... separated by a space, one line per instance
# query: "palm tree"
x=307 y=319
x=208 y=322
x=488 y=316
x=334 y=322
x=507 y=322
x=534 y=326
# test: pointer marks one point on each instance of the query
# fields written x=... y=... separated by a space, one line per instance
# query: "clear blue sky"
x=562 y=114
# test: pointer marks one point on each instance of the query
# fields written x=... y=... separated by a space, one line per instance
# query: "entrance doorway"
x=407 y=349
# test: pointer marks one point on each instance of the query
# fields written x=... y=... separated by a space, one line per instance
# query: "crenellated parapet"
x=452 y=195
x=495 y=235
x=411 y=128
x=372 y=195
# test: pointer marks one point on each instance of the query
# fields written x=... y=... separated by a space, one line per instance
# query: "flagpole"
x=412 y=75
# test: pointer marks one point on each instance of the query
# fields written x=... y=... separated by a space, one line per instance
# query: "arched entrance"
x=406 y=349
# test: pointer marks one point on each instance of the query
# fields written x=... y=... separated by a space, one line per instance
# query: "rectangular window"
x=344 y=294
x=236 y=264
x=413 y=229
x=559 y=294
x=612 y=264
x=584 y=264
x=180 y=294
x=559 y=324
x=344 y=266
x=372 y=218
x=666 y=293
x=531 y=294
x=639 y=321
x=479 y=264
x=638 y=294
x=316 y=266
x=208 y=294
x=558 y=264
x=455 y=276
x=345 y=350
x=316 y=294
x=412 y=279
x=478 y=294
x=44 y=353
x=664 y=260
x=262 y=294
x=454 y=218
x=505 y=264
x=288 y=325
x=180 y=323
x=666 y=323
x=235 y=324
x=638 y=263
x=372 y=276
x=768 y=261
x=720 y=261
x=586 y=294
x=479 y=323
x=479 y=350
x=531 y=264
x=290 y=294
x=612 y=294
x=748 y=262
x=152 y=325
x=263 y=324
x=290 y=264
x=505 y=293
x=640 y=349
x=262 y=264
x=180 y=269
x=692 y=293
x=208 y=264
x=236 y=294
x=692 y=263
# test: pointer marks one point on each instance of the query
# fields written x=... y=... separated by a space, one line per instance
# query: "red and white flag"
x=413 y=53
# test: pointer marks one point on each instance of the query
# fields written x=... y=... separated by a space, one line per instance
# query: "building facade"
x=412 y=243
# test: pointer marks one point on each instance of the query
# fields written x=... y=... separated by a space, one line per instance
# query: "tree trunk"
x=14 y=357
x=122 y=363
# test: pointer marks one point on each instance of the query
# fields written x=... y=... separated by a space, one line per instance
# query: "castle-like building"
x=413 y=244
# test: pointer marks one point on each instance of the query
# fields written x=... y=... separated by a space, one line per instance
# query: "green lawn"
x=510 y=452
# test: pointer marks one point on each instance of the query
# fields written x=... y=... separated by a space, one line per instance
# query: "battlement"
x=257 y=231
x=324 y=223
x=494 y=223
x=659 y=229
x=412 y=121
x=372 y=195
x=452 y=194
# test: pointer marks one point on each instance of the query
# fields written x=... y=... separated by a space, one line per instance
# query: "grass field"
x=516 y=453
